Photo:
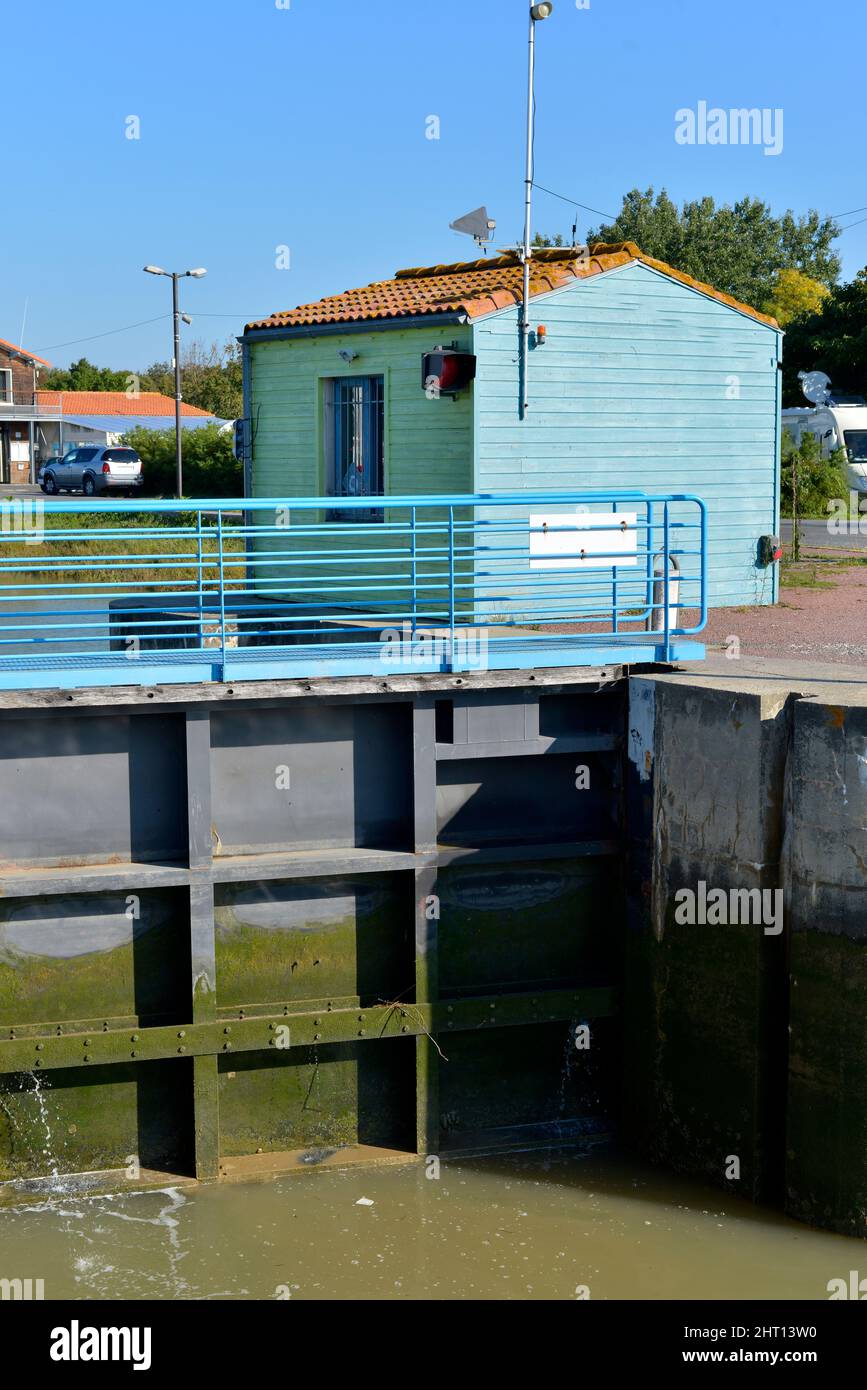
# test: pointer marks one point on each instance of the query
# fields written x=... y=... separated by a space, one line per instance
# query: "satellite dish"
x=816 y=386
x=476 y=224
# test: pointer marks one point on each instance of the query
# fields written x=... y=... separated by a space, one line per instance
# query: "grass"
x=816 y=571
x=66 y=536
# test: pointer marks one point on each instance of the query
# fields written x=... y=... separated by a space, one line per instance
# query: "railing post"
x=665 y=585
x=614 y=588
x=222 y=596
x=200 y=567
x=451 y=646
x=414 y=570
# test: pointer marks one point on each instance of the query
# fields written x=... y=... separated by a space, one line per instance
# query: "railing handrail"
x=70 y=506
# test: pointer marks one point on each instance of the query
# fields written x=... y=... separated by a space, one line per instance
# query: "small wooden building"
x=637 y=377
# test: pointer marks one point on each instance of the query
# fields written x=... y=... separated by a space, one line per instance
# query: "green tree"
x=794 y=295
x=834 y=340
x=737 y=248
x=84 y=376
x=818 y=480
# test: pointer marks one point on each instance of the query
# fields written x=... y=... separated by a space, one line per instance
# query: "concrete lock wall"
x=246 y=929
x=743 y=1040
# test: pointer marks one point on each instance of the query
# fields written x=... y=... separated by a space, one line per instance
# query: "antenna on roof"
x=476 y=224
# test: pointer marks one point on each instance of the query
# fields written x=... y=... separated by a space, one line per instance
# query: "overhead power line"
x=574 y=202
x=52 y=347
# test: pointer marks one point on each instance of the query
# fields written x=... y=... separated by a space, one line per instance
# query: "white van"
x=838 y=425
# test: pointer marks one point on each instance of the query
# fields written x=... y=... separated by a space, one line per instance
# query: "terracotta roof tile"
x=475 y=288
x=115 y=403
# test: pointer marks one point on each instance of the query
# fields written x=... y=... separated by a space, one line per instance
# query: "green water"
x=517 y=1227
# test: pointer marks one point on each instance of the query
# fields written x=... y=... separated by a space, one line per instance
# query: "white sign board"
x=576 y=540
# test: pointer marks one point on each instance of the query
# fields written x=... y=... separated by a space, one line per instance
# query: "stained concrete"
x=735 y=1037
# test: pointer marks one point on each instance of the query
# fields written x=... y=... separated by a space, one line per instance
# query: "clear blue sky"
x=263 y=126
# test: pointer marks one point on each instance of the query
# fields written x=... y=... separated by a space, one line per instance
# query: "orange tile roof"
x=115 y=403
x=475 y=288
x=24 y=353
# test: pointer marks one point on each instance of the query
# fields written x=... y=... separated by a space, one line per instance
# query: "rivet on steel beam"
x=86 y=1042
x=134 y=1037
x=317 y=1021
x=404 y=1029
x=227 y=1047
x=227 y=1030
x=450 y=1009
x=182 y=1048
x=39 y=1047
x=271 y=1027
x=361 y=1032
x=361 y=1018
x=133 y=1053
x=182 y=1032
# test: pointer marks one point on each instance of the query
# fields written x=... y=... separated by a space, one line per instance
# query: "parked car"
x=94 y=470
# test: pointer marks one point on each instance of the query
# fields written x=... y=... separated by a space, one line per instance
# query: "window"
x=6 y=385
x=85 y=455
x=354 y=419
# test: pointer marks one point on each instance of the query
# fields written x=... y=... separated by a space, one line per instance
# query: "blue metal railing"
x=142 y=592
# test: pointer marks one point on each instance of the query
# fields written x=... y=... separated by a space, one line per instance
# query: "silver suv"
x=91 y=470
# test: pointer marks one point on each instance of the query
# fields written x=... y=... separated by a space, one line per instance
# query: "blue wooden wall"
x=643 y=383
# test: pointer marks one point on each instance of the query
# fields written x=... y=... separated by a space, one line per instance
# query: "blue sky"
x=305 y=126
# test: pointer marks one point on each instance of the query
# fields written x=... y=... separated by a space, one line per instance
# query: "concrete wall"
x=742 y=1041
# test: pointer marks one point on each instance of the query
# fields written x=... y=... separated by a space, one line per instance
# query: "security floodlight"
x=155 y=270
x=186 y=318
x=541 y=11
x=197 y=274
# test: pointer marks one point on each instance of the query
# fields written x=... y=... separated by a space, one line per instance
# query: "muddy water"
x=518 y=1227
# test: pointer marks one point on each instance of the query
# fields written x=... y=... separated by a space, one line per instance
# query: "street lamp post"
x=175 y=276
x=537 y=12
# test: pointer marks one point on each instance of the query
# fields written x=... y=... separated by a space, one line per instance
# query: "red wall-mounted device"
x=446 y=371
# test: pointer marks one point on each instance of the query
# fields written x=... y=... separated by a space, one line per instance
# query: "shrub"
x=210 y=467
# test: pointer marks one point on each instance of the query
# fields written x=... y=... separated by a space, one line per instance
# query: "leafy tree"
x=211 y=378
x=542 y=241
x=794 y=295
x=834 y=340
x=737 y=248
x=210 y=468
x=84 y=376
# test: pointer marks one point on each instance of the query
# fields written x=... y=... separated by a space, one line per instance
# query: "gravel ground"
x=828 y=623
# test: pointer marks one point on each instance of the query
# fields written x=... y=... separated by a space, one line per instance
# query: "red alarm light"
x=447 y=371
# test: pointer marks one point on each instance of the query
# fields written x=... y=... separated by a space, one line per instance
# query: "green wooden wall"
x=428 y=443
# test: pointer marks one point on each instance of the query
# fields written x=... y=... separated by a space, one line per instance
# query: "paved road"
x=816 y=533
